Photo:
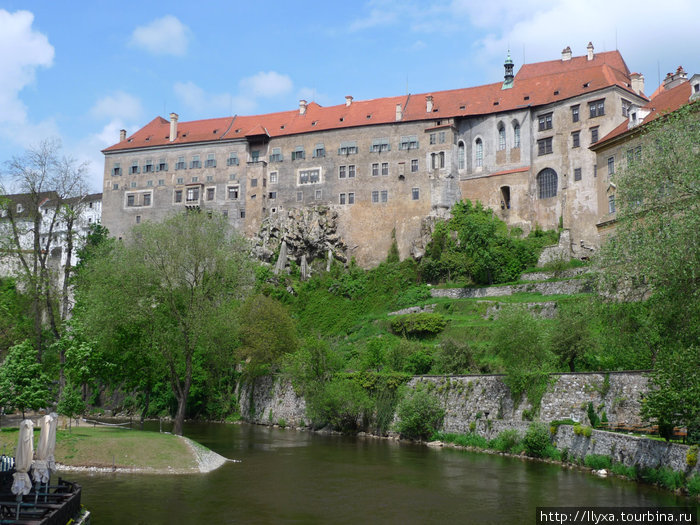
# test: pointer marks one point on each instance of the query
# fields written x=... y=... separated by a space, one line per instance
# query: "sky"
x=81 y=71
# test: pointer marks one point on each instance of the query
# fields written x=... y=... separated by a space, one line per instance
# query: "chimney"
x=399 y=112
x=566 y=54
x=302 y=107
x=637 y=81
x=674 y=79
x=122 y=135
x=428 y=103
x=589 y=48
x=348 y=100
x=173 y=126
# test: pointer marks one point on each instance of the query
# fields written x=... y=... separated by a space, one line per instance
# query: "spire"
x=508 y=65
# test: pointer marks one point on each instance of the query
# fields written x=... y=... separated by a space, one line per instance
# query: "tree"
x=180 y=282
x=71 y=404
x=45 y=182
x=571 y=336
x=23 y=385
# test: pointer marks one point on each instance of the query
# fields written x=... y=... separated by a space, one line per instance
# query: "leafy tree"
x=23 y=385
x=571 y=336
x=179 y=282
x=674 y=389
x=49 y=184
x=267 y=333
x=71 y=403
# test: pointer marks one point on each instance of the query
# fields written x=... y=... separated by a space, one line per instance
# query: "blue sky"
x=80 y=71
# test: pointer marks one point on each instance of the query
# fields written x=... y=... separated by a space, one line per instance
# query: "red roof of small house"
x=665 y=101
x=534 y=85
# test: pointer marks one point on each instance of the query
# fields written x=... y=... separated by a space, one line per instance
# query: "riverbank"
x=110 y=449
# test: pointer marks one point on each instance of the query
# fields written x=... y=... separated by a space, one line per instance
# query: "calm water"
x=288 y=476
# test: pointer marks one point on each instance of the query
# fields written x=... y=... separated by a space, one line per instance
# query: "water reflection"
x=289 y=476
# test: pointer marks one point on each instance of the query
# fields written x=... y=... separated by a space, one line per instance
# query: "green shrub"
x=341 y=403
x=554 y=453
x=592 y=416
x=670 y=479
x=420 y=415
x=472 y=426
x=418 y=325
x=693 y=485
x=454 y=357
x=578 y=429
x=597 y=461
x=691 y=457
x=587 y=432
x=506 y=441
x=536 y=440
x=471 y=440
x=621 y=469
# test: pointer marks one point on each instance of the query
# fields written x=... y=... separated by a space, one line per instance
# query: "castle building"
x=520 y=146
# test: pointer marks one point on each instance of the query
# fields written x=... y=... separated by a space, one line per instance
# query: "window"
x=379 y=145
x=441 y=137
x=433 y=138
x=192 y=194
x=195 y=163
x=438 y=160
x=232 y=160
x=342 y=198
x=161 y=182
x=351 y=171
x=415 y=193
x=547 y=183
x=210 y=194
x=597 y=108
x=505 y=197
x=611 y=203
x=375 y=196
x=180 y=180
x=414 y=165
x=634 y=154
x=162 y=165
x=115 y=186
x=195 y=179
x=211 y=161
x=298 y=153
x=351 y=198
x=138 y=219
x=577 y=174
x=146 y=199
x=116 y=170
x=180 y=164
x=544 y=146
x=130 y=199
x=134 y=168
x=461 y=160
x=501 y=137
x=232 y=192
x=347 y=148
x=385 y=168
x=178 y=195
x=273 y=177
x=312 y=176
x=210 y=178
x=225 y=213
x=595 y=170
x=341 y=172
x=300 y=196
x=576 y=139
x=594 y=135
x=375 y=169
x=408 y=142
x=319 y=151
x=255 y=155
x=626 y=107
x=276 y=155
x=318 y=195
x=149 y=183
x=384 y=194
x=479 y=153
x=516 y=135
x=133 y=184
x=574 y=113
x=611 y=165
x=272 y=195
x=242 y=214
x=545 y=122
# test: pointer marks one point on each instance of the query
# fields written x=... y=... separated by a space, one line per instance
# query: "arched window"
x=501 y=136
x=461 y=160
x=547 y=183
x=516 y=135
x=479 y=153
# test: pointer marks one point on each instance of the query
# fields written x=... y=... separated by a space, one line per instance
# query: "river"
x=289 y=476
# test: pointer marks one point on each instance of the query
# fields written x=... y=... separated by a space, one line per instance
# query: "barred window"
x=547 y=183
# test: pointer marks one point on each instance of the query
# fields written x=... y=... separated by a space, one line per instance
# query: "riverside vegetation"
x=199 y=316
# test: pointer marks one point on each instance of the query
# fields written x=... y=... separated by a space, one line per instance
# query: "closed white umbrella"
x=41 y=468
x=21 y=484
x=50 y=460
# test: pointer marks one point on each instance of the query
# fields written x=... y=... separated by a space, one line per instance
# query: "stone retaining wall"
x=569 y=287
x=270 y=401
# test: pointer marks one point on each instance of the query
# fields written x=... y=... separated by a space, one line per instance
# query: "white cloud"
x=266 y=84
x=377 y=17
x=201 y=103
x=22 y=51
x=163 y=36
x=118 y=105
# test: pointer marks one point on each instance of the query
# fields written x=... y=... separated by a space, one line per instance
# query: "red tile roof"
x=665 y=101
x=534 y=85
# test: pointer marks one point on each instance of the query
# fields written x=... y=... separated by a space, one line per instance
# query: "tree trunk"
x=182 y=394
